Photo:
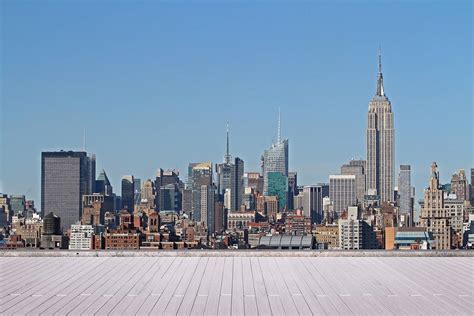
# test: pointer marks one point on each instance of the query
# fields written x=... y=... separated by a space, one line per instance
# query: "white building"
x=351 y=230
x=81 y=237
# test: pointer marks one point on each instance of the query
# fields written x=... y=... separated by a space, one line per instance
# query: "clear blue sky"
x=155 y=83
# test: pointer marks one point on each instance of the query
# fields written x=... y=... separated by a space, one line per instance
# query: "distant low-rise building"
x=81 y=237
x=327 y=236
x=406 y=238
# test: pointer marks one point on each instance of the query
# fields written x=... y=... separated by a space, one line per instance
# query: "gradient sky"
x=155 y=83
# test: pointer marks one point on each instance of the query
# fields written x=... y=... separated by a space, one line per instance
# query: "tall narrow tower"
x=380 y=144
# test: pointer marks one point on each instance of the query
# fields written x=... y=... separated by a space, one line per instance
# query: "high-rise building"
x=18 y=204
x=472 y=186
x=230 y=178
x=102 y=184
x=148 y=193
x=278 y=186
x=275 y=159
x=239 y=182
x=208 y=215
x=5 y=210
x=254 y=180
x=433 y=214
x=226 y=178
x=292 y=189
x=170 y=198
x=342 y=192
x=128 y=193
x=91 y=163
x=313 y=201
x=199 y=174
x=357 y=168
x=65 y=178
x=164 y=178
x=406 y=200
x=460 y=186
x=380 y=144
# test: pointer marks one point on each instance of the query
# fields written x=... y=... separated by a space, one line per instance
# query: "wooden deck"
x=236 y=285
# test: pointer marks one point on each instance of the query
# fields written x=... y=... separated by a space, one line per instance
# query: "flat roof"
x=258 y=285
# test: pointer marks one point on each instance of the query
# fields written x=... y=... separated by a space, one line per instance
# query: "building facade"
x=405 y=197
x=81 y=237
x=199 y=174
x=357 y=168
x=342 y=192
x=128 y=193
x=65 y=178
x=312 y=201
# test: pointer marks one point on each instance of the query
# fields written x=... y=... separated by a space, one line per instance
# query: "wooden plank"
x=261 y=295
x=214 y=296
x=250 y=302
x=189 y=298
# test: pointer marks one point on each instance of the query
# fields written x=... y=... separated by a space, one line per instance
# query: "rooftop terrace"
x=258 y=283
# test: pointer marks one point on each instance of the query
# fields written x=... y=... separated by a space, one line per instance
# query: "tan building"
x=271 y=206
x=327 y=235
x=434 y=215
x=460 y=186
x=240 y=220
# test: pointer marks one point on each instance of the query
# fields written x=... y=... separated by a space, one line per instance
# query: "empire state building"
x=380 y=144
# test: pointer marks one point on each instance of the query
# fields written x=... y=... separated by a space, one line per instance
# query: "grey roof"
x=205 y=285
x=294 y=241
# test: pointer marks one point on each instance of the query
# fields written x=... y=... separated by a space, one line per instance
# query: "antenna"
x=84 y=140
x=227 y=156
x=380 y=59
x=279 y=125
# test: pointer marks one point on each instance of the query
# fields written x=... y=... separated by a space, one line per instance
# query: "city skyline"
x=438 y=107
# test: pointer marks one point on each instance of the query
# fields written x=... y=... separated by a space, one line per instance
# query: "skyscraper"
x=128 y=193
x=292 y=189
x=404 y=191
x=208 y=207
x=65 y=178
x=239 y=182
x=460 y=185
x=199 y=174
x=230 y=178
x=342 y=192
x=102 y=184
x=226 y=177
x=357 y=168
x=275 y=159
x=278 y=186
x=312 y=197
x=380 y=144
x=434 y=215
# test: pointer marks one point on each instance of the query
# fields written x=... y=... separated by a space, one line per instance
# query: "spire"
x=279 y=125
x=227 y=156
x=380 y=91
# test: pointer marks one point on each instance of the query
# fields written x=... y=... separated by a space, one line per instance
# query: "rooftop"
x=259 y=283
